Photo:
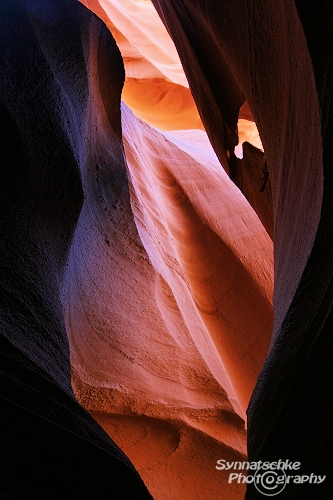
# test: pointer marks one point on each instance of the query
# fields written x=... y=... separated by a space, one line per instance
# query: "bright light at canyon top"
x=156 y=88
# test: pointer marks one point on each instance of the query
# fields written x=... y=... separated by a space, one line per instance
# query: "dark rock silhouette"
x=50 y=446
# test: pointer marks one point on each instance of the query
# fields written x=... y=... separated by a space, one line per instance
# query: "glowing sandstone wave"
x=141 y=35
x=156 y=88
x=140 y=317
x=217 y=247
x=169 y=313
x=164 y=349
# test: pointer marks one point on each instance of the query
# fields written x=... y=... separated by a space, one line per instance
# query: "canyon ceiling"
x=166 y=273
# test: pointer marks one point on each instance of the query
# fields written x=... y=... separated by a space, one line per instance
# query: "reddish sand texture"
x=168 y=291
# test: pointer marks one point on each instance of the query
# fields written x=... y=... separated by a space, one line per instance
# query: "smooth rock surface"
x=50 y=446
x=133 y=269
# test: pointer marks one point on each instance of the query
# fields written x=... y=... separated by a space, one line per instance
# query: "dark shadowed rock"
x=50 y=446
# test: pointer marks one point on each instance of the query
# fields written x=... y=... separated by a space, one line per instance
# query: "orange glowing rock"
x=155 y=88
x=169 y=307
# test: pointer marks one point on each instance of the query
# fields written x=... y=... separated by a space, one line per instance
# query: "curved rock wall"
x=153 y=308
x=50 y=446
x=280 y=56
x=137 y=246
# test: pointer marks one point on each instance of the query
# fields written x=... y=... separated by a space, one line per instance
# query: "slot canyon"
x=166 y=248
